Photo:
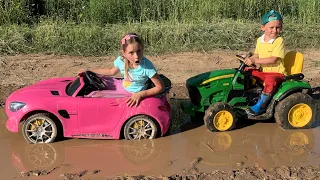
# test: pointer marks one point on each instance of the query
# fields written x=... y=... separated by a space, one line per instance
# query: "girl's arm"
x=158 y=88
x=105 y=71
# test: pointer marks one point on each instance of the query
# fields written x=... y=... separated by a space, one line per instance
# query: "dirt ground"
x=21 y=70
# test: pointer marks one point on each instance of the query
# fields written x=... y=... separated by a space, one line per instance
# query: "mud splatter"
x=283 y=172
x=37 y=172
x=73 y=176
x=193 y=169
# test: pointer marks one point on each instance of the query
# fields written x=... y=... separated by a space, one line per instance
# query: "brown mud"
x=255 y=150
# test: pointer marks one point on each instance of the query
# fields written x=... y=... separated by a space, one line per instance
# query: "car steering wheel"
x=95 y=80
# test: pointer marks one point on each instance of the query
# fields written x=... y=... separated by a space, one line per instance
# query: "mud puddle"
x=192 y=150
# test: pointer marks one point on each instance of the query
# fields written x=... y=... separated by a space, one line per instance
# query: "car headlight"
x=15 y=106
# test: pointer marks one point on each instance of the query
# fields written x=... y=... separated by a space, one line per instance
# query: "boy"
x=269 y=54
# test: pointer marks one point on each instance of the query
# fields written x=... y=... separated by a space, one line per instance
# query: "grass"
x=104 y=12
x=94 y=27
x=89 y=39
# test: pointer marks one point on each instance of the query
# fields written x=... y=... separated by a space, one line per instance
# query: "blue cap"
x=270 y=16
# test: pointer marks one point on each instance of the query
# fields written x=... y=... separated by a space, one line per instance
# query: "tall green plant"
x=68 y=10
x=13 y=11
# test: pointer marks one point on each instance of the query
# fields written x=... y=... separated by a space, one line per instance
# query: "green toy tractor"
x=222 y=95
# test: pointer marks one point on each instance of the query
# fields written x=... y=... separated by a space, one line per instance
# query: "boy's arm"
x=277 y=52
x=268 y=60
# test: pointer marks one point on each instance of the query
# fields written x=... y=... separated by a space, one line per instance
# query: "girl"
x=136 y=68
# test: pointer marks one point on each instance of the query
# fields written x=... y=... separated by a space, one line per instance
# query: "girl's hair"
x=129 y=38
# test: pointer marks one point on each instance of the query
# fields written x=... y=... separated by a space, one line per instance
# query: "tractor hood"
x=208 y=77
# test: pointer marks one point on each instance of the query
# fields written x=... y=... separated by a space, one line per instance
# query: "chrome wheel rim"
x=42 y=155
x=141 y=129
x=40 y=130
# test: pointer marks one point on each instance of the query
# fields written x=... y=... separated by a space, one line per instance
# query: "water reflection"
x=3 y=130
x=113 y=156
x=263 y=145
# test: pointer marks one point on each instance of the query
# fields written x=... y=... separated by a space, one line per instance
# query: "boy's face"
x=272 y=29
x=133 y=53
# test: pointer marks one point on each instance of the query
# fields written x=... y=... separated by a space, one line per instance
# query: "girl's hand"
x=249 y=61
x=81 y=71
x=135 y=99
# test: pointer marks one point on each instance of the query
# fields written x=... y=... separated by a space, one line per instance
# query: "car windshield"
x=73 y=86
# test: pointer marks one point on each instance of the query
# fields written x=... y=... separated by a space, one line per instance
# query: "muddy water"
x=193 y=149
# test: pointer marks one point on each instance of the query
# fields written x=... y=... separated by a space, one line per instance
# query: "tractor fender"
x=290 y=87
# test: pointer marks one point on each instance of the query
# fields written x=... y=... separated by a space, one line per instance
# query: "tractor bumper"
x=190 y=109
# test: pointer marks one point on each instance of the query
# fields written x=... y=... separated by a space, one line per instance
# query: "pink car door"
x=99 y=115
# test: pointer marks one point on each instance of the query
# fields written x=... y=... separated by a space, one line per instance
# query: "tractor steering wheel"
x=95 y=80
x=243 y=65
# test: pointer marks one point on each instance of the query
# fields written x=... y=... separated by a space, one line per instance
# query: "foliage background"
x=94 y=27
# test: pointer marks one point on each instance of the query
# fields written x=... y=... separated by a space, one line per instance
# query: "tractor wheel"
x=220 y=117
x=296 y=111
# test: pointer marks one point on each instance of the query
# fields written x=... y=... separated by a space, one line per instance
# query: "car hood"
x=43 y=88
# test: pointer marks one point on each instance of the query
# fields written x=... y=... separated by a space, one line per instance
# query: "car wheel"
x=39 y=128
x=140 y=127
x=220 y=117
x=296 y=111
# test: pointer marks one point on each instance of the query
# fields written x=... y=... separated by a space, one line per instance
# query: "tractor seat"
x=293 y=62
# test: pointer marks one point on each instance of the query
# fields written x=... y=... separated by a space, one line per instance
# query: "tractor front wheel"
x=220 y=117
x=296 y=111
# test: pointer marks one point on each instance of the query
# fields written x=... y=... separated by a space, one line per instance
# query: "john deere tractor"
x=222 y=95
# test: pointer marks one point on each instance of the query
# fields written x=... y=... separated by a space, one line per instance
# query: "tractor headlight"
x=15 y=106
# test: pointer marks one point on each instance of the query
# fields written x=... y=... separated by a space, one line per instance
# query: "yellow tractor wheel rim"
x=296 y=141
x=222 y=141
x=300 y=115
x=223 y=120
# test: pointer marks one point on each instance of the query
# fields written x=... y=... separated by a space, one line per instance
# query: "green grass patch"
x=89 y=39
x=183 y=11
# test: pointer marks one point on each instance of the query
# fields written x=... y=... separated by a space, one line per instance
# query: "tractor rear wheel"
x=220 y=117
x=296 y=111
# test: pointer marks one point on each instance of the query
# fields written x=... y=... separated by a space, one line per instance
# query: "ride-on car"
x=87 y=106
x=222 y=96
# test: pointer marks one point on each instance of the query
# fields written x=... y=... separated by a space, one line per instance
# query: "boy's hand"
x=135 y=99
x=249 y=61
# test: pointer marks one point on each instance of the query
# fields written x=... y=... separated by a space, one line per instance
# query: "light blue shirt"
x=139 y=76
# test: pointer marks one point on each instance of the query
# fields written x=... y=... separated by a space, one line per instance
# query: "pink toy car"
x=85 y=107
